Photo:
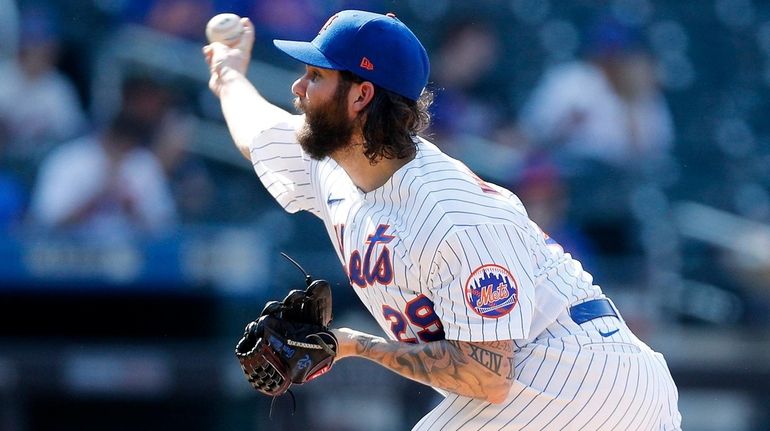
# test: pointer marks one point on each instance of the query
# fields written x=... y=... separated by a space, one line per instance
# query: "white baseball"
x=225 y=28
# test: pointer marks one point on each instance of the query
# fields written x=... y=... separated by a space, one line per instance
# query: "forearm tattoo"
x=487 y=358
x=465 y=368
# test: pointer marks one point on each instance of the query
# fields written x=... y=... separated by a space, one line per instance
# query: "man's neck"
x=364 y=175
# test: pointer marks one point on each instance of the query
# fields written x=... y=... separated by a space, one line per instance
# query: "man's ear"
x=360 y=96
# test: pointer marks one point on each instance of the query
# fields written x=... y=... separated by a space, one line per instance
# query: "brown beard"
x=327 y=127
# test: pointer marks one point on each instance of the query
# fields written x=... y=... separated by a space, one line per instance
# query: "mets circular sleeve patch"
x=491 y=291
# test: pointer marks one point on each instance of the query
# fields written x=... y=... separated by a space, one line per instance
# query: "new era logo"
x=366 y=64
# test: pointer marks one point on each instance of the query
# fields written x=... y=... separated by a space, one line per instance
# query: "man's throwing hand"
x=224 y=60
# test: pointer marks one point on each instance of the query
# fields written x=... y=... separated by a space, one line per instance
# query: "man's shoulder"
x=443 y=192
x=431 y=164
x=444 y=177
x=284 y=131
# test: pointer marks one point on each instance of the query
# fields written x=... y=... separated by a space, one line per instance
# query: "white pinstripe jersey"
x=435 y=252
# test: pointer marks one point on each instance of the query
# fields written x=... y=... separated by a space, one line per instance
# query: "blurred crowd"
x=588 y=113
x=635 y=132
x=586 y=109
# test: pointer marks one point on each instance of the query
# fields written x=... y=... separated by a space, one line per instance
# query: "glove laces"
x=293 y=404
x=327 y=348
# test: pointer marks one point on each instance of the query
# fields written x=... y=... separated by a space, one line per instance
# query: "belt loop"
x=617 y=312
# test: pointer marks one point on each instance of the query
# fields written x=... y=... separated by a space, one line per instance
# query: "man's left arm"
x=482 y=370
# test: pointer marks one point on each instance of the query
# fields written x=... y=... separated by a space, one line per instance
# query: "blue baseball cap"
x=378 y=48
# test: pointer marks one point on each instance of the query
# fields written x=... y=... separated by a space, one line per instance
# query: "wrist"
x=345 y=343
x=349 y=340
x=228 y=74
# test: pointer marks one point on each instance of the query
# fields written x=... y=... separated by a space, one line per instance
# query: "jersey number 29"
x=420 y=313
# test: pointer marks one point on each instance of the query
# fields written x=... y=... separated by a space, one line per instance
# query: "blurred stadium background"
x=135 y=243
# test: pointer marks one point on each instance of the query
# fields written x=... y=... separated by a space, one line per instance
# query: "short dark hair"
x=392 y=120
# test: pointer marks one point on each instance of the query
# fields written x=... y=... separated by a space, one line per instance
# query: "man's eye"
x=314 y=75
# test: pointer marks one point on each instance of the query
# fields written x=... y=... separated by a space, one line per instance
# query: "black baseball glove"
x=290 y=342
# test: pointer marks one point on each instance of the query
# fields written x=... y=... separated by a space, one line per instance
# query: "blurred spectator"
x=153 y=103
x=107 y=184
x=544 y=193
x=182 y=18
x=607 y=108
x=12 y=200
x=9 y=29
x=38 y=104
x=289 y=18
x=467 y=54
x=469 y=125
x=292 y=19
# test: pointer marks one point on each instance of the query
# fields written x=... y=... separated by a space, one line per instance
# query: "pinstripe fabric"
x=413 y=250
x=573 y=379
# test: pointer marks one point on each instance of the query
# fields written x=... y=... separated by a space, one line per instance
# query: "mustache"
x=300 y=105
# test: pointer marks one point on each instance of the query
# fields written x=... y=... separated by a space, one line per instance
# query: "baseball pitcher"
x=475 y=299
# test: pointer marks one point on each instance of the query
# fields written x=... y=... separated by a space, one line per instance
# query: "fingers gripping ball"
x=291 y=342
x=225 y=28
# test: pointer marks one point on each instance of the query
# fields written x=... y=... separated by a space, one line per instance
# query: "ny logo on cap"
x=366 y=64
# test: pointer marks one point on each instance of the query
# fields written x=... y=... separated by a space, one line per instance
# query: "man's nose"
x=299 y=87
